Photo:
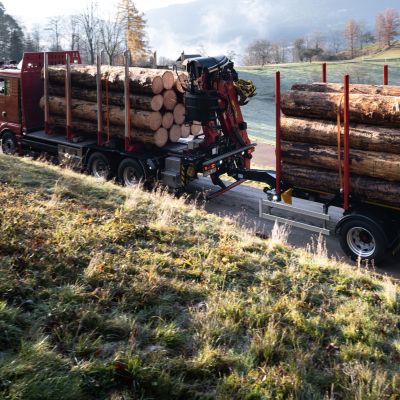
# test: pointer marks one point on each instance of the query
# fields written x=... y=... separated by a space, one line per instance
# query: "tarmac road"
x=242 y=204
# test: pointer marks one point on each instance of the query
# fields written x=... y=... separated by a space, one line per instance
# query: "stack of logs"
x=156 y=100
x=310 y=140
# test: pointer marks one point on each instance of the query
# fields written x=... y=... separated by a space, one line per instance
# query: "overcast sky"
x=33 y=11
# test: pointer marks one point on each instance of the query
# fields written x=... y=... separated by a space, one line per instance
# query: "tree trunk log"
x=167 y=120
x=185 y=131
x=179 y=114
x=369 y=109
x=368 y=189
x=142 y=80
x=88 y=111
x=158 y=138
x=145 y=103
x=168 y=78
x=175 y=133
x=354 y=89
x=366 y=163
x=362 y=137
x=170 y=99
x=196 y=128
x=181 y=82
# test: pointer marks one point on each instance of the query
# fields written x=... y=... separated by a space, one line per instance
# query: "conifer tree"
x=134 y=26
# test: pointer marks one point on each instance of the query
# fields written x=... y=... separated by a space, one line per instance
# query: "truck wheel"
x=360 y=238
x=130 y=172
x=9 y=143
x=99 y=166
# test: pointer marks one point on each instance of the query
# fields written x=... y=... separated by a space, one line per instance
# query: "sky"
x=35 y=11
x=218 y=26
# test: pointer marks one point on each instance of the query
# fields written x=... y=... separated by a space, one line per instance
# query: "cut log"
x=368 y=189
x=167 y=120
x=179 y=114
x=170 y=99
x=145 y=103
x=362 y=137
x=175 y=133
x=354 y=89
x=145 y=120
x=168 y=78
x=366 y=163
x=88 y=127
x=158 y=138
x=196 y=128
x=181 y=82
x=185 y=131
x=142 y=80
x=369 y=109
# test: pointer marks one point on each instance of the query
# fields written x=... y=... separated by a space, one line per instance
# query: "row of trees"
x=336 y=45
x=86 y=32
x=11 y=37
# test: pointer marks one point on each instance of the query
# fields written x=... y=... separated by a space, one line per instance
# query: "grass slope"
x=108 y=293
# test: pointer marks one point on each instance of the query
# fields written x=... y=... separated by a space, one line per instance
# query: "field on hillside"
x=114 y=293
x=260 y=112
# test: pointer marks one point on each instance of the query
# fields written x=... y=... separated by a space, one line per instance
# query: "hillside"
x=109 y=293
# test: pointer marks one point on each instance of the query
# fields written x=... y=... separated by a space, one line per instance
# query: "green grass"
x=109 y=293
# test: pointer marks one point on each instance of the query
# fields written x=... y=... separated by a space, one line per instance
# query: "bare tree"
x=89 y=22
x=387 y=26
x=317 y=40
x=336 y=41
x=74 y=33
x=258 y=53
x=352 y=35
x=111 y=37
x=299 y=46
x=55 y=27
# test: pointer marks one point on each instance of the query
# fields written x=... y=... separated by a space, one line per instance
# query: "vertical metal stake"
x=278 y=132
x=99 y=102
x=386 y=75
x=46 y=93
x=127 y=101
x=324 y=72
x=346 y=144
x=68 y=97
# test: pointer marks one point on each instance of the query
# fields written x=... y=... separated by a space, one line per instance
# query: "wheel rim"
x=100 y=169
x=8 y=146
x=131 y=177
x=361 y=242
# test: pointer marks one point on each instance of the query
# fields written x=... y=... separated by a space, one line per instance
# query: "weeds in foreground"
x=109 y=293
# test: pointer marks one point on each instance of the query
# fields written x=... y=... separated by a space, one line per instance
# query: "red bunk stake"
x=68 y=97
x=100 y=140
x=386 y=75
x=324 y=72
x=278 y=132
x=346 y=144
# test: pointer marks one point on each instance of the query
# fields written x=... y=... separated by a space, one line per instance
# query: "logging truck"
x=139 y=125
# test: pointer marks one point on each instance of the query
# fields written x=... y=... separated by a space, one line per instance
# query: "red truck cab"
x=10 y=97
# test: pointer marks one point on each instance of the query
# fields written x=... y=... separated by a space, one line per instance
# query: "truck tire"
x=130 y=172
x=362 y=239
x=99 y=166
x=9 y=143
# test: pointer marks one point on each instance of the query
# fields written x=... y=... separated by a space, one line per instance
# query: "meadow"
x=118 y=294
x=260 y=112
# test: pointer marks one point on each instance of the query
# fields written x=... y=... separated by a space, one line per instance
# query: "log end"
x=175 y=133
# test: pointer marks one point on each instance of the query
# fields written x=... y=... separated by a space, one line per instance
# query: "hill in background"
x=109 y=293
